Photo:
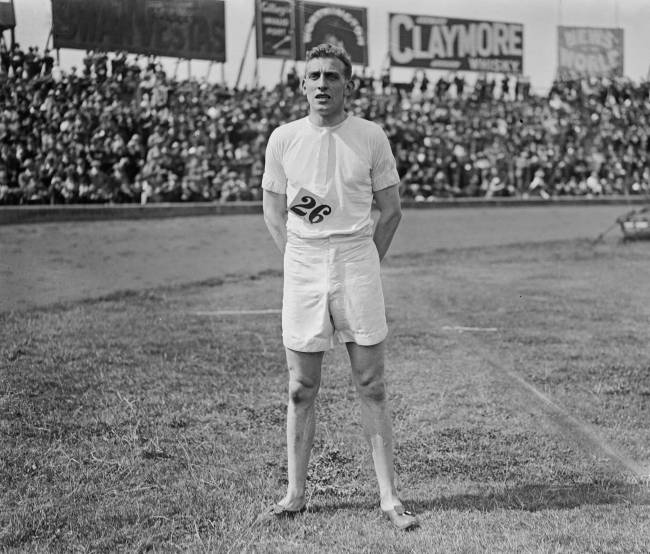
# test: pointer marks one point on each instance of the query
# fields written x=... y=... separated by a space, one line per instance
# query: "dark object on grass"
x=635 y=224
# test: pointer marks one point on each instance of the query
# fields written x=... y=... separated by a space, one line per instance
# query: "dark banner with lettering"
x=455 y=44
x=193 y=29
x=7 y=15
x=276 y=29
x=589 y=52
x=344 y=26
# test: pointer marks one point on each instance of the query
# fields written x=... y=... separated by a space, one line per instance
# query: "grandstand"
x=121 y=129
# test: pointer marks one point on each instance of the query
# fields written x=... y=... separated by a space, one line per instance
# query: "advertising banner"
x=7 y=16
x=193 y=29
x=589 y=52
x=455 y=44
x=342 y=25
x=276 y=29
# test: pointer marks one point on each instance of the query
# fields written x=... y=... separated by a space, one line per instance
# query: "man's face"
x=325 y=86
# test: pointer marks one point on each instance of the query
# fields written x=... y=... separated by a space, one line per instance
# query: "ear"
x=350 y=85
x=303 y=86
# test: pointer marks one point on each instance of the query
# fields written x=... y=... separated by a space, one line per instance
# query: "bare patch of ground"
x=41 y=264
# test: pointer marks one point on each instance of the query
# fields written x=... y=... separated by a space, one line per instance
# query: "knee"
x=372 y=389
x=302 y=392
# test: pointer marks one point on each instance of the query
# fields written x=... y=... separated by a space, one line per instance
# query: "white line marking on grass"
x=573 y=426
x=461 y=329
x=237 y=312
x=587 y=430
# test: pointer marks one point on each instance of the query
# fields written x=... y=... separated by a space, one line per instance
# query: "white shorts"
x=332 y=288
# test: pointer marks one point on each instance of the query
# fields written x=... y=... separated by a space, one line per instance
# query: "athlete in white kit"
x=320 y=177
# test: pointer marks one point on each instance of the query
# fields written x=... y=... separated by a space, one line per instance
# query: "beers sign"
x=455 y=44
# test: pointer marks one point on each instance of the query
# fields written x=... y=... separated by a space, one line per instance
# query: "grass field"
x=519 y=380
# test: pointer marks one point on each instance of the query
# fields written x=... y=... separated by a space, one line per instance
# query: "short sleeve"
x=383 y=171
x=274 y=178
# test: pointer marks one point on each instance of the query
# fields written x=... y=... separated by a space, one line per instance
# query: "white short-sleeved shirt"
x=329 y=174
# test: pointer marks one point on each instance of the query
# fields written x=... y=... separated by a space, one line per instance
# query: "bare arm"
x=390 y=214
x=275 y=217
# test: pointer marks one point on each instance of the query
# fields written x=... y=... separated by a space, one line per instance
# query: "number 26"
x=308 y=205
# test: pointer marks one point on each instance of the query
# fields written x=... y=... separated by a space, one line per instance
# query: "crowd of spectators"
x=119 y=129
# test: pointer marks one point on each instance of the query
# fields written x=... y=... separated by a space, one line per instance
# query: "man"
x=321 y=173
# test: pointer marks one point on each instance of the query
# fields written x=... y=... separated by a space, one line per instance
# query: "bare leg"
x=368 y=375
x=304 y=381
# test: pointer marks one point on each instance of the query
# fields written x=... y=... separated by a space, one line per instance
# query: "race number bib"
x=309 y=206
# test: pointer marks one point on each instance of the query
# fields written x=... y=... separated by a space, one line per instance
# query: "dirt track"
x=45 y=263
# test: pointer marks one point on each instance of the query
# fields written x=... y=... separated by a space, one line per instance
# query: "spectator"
x=48 y=63
x=537 y=186
x=17 y=60
x=293 y=81
x=385 y=80
x=5 y=58
x=459 y=81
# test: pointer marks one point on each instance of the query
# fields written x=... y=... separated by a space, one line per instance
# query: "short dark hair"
x=327 y=50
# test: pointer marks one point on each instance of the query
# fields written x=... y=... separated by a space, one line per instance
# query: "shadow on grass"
x=145 y=294
x=531 y=498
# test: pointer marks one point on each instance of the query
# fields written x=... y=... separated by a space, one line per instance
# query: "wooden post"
x=223 y=73
x=47 y=42
x=178 y=61
x=189 y=69
x=207 y=73
x=284 y=63
x=243 y=58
